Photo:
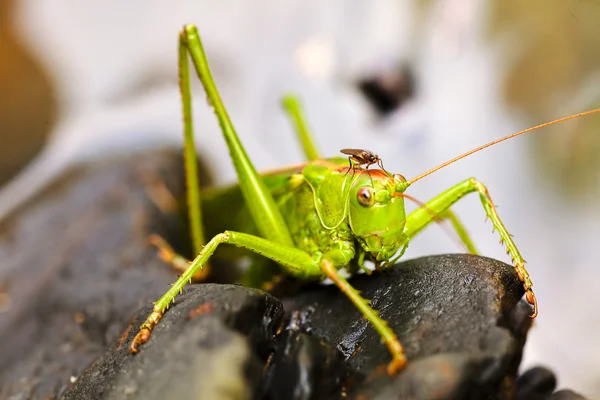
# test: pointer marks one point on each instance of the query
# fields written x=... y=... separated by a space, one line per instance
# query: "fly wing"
x=352 y=152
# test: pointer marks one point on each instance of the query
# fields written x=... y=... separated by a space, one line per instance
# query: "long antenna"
x=468 y=153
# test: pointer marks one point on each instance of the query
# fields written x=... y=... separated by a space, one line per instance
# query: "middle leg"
x=296 y=262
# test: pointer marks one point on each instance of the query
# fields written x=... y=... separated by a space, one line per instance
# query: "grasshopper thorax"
x=376 y=214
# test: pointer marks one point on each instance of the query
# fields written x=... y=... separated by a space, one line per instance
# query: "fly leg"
x=440 y=205
x=351 y=167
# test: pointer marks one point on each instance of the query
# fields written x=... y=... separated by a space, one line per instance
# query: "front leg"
x=297 y=263
x=258 y=199
x=420 y=218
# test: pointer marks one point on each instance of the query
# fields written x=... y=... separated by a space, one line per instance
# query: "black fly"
x=362 y=157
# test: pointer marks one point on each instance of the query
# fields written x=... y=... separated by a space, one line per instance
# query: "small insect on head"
x=376 y=215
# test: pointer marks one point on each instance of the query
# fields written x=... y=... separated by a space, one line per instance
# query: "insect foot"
x=529 y=295
x=144 y=334
x=398 y=358
x=192 y=354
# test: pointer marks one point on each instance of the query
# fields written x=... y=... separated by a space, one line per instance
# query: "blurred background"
x=417 y=82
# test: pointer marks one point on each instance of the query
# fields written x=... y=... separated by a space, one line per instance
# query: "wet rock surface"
x=211 y=345
x=304 y=367
x=566 y=395
x=539 y=383
x=452 y=313
x=463 y=338
x=456 y=316
x=77 y=268
x=536 y=383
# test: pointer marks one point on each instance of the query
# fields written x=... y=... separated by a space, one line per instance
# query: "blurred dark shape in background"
x=388 y=89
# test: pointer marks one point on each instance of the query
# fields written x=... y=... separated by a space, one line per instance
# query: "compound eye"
x=366 y=196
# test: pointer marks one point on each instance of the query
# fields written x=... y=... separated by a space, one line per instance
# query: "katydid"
x=313 y=219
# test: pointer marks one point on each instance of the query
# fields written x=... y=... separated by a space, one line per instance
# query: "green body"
x=320 y=208
x=312 y=220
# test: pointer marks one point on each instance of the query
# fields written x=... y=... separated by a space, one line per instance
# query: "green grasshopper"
x=313 y=219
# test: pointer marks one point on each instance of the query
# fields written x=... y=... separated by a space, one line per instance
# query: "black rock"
x=535 y=384
x=213 y=344
x=76 y=266
x=304 y=367
x=456 y=316
x=566 y=395
x=538 y=384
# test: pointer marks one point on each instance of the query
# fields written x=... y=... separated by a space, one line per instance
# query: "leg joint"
x=480 y=187
x=225 y=236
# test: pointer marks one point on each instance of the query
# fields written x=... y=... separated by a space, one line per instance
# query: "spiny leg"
x=176 y=261
x=389 y=337
x=260 y=203
x=293 y=107
x=297 y=263
x=420 y=218
x=192 y=178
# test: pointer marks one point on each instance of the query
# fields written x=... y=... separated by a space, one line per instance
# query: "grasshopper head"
x=376 y=215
